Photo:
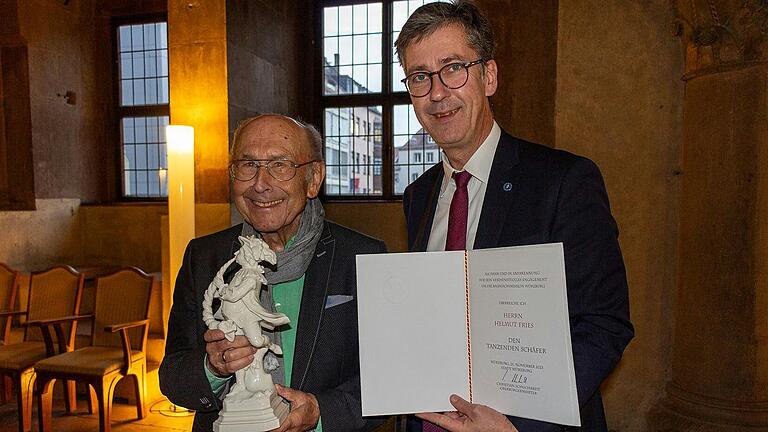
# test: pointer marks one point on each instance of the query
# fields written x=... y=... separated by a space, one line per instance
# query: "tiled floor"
x=160 y=418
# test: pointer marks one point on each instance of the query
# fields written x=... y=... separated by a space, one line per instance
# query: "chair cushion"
x=22 y=355
x=93 y=361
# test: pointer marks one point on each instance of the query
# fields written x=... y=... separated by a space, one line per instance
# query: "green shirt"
x=287 y=297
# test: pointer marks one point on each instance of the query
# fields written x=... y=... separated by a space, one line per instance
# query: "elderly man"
x=277 y=169
x=493 y=190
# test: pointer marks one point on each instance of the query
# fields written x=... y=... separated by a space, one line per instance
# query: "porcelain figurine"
x=252 y=403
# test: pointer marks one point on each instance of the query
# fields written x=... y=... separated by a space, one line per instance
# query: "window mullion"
x=387 y=143
x=386 y=47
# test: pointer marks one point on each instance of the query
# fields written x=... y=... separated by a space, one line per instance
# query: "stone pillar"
x=719 y=362
x=526 y=55
x=197 y=50
x=17 y=180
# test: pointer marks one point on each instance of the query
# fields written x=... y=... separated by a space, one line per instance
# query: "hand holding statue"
x=225 y=357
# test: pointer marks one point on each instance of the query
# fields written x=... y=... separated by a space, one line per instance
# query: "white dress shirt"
x=479 y=166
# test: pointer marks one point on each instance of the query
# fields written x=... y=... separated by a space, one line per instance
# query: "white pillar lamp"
x=181 y=194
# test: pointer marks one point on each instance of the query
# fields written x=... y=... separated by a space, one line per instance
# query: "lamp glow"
x=181 y=194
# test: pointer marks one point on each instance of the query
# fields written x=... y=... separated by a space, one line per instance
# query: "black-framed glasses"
x=279 y=169
x=452 y=75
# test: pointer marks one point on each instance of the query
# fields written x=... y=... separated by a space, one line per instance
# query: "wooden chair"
x=53 y=293
x=119 y=338
x=9 y=286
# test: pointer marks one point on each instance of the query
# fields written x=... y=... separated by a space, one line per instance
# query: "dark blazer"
x=326 y=361
x=539 y=195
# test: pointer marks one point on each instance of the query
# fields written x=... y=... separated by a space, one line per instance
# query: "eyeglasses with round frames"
x=452 y=75
x=279 y=169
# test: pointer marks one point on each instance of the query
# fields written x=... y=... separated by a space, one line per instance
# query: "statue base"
x=253 y=415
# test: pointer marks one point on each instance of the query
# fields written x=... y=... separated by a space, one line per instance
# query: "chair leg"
x=26 y=385
x=104 y=392
x=140 y=387
x=7 y=389
x=44 y=402
x=70 y=396
x=92 y=399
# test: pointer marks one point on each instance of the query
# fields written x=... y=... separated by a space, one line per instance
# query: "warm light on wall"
x=181 y=193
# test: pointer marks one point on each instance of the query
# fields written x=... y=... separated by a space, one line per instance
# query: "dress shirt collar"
x=479 y=164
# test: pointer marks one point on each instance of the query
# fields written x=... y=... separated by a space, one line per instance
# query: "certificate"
x=490 y=325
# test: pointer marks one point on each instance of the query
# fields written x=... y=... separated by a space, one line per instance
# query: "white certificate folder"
x=490 y=325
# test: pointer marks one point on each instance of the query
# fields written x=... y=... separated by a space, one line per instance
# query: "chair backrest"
x=54 y=293
x=9 y=286
x=122 y=297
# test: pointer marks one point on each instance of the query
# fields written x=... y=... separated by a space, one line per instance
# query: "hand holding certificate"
x=489 y=325
x=469 y=417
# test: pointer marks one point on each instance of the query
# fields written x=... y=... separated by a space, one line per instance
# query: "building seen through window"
x=415 y=150
x=368 y=120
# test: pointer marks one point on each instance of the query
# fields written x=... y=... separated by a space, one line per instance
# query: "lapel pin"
x=507 y=187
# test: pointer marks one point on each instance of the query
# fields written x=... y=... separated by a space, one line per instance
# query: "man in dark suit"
x=277 y=170
x=493 y=190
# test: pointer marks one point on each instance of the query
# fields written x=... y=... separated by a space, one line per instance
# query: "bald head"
x=312 y=142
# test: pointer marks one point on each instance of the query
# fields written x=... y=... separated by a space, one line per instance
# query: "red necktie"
x=430 y=427
x=457 y=217
x=456 y=239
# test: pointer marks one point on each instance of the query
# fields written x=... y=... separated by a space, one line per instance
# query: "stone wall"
x=526 y=53
x=718 y=376
x=68 y=111
x=267 y=66
x=384 y=221
x=619 y=102
x=37 y=239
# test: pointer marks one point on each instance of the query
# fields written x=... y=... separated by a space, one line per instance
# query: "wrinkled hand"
x=470 y=417
x=225 y=357
x=305 y=411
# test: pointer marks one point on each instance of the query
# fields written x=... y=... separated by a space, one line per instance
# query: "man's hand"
x=305 y=411
x=225 y=357
x=470 y=417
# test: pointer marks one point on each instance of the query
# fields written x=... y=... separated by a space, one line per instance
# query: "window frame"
x=121 y=112
x=387 y=99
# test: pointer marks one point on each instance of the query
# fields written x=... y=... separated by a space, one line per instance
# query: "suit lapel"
x=428 y=211
x=499 y=194
x=312 y=306
x=234 y=267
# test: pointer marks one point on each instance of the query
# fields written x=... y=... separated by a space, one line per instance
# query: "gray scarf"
x=292 y=263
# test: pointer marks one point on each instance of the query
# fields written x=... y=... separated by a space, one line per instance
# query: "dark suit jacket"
x=539 y=195
x=326 y=361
